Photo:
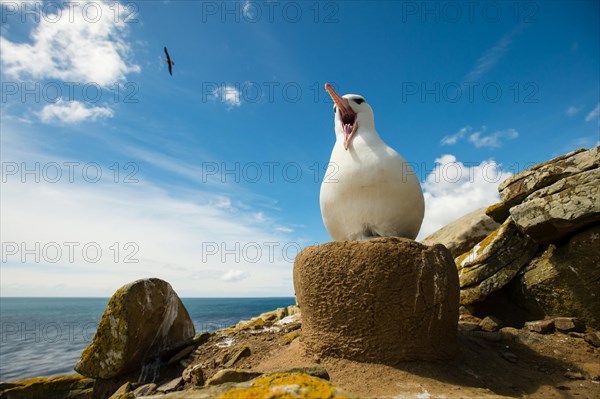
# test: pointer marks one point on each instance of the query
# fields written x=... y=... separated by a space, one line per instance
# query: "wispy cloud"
x=572 y=110
x=492 y=56
x=454 y=138
x=492 y=140
x=72 y=112
x=479 y=139
x=235 y=275
x=593 y=114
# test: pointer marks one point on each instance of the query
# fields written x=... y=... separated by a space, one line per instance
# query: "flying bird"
x=369 y=190
x=169 y=62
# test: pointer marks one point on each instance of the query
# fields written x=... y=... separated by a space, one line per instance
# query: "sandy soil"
x=511 y=363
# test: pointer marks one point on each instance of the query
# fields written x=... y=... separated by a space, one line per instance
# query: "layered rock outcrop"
x=545 y=257
x=382 y=300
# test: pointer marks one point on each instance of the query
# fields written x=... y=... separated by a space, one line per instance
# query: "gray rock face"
x=462 y=234
x=142 y=319
x=563 y=280
x=514 y=189
x=382 y=300
x=493 y=262
x=553 y=212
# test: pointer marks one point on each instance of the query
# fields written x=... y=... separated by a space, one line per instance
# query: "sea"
x=45 y=336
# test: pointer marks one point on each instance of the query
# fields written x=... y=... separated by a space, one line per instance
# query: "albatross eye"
x=334 y=109
x=359 y=100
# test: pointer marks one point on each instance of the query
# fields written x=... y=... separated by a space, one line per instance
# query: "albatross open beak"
x=347 y=115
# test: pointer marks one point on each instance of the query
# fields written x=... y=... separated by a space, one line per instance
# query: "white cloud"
x=492 y=140
x=229 y=95
x=283 y=229
x=454 y=189
x=86 y=43
x=572 y=110
x=72 y=112
x=235 y=275
x=593 y=114
x=454 y=138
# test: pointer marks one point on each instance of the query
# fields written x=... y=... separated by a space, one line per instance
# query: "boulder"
x=563 y=280
x=462 y=234
x=231 y=375
x=381 y=300
x=499 y=212
x=515 y=188
x=555 y=211
x=60 y=387
x=493 y=262
x=569 y=324
x=142 y=319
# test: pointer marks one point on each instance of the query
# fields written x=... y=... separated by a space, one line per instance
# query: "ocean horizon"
x=44 y=336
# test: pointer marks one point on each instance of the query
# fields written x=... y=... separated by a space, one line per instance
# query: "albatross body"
x=369 y=190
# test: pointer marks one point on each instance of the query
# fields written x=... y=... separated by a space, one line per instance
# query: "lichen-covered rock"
x=285 y=384
x=290 y=385
x=462 y=234
x=568 y=205
x=61 y=387
x=498 y=212
x=142 y=319
x=514 y=189
x=231 y=375
x=563 y=280
x=493 y=262
x=380 y=300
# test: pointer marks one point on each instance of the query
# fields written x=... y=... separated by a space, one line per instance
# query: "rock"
x=293 y=310
x=289 y=337
x=181 y=354
x=490 y=323
x=177 y=348
x=462 y=234
x=171 y=385
x=563 y=280
x=493 y=262
x=255 y=323
x=468 y=326
x=515 y=188
x=122 y=391
x=593 y=339
x=145 y=389
x=315 y=371
x=498 y=212
x=61 y=387
x=492 y=336
x=509 y=356
x=294 y=385
x=194 y=374
x=540 y=326
x=241 y=353
x=574 y=375
x=510 y=333
x=141 y=319
x=382 y=300
x=281 y=313
x=231 y=375
x=568 y=324
x=278 y=385
x=568 y=205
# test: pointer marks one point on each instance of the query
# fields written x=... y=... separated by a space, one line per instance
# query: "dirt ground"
x=509 y=363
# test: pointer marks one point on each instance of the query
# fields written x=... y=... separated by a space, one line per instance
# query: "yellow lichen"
x=285 y=386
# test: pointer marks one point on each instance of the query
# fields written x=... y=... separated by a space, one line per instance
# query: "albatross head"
x=351 y=113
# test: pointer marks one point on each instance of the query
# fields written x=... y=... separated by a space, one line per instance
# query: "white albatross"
x=369 y=190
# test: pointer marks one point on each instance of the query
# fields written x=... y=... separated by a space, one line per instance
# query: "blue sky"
x=210 y=178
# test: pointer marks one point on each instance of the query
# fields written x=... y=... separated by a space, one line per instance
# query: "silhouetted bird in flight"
x=169 y=62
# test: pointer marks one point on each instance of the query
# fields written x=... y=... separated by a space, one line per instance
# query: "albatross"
x=369 y=190
x=169 y=62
